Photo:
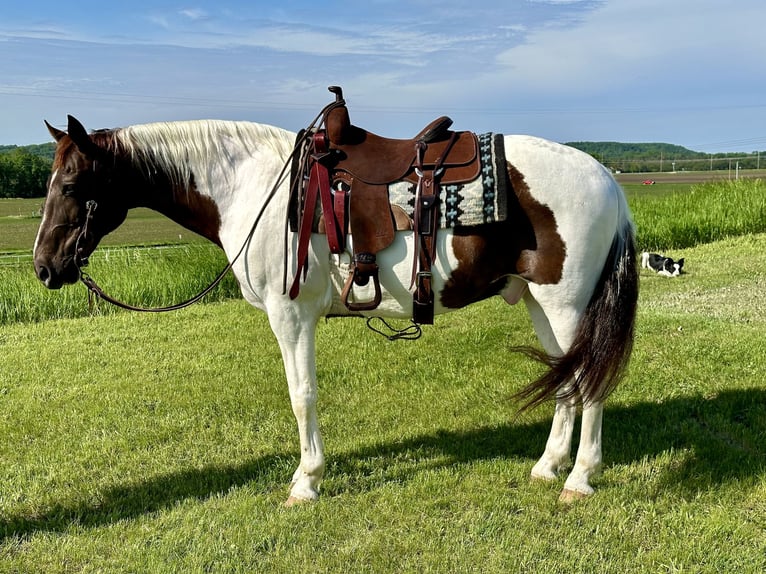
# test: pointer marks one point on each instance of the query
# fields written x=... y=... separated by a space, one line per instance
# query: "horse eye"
x=67 y=190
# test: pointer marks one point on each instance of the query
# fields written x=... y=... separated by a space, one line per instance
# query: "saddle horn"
x=336 y=120
x=338 y=91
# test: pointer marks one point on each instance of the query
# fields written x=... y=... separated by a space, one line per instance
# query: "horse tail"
x=594 y=363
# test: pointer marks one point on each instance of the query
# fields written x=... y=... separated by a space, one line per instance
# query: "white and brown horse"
x=567 y=250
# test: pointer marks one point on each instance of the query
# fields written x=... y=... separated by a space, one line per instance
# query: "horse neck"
x=183 y=204
x=201 y=185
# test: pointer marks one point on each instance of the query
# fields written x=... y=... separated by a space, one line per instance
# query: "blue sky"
x=689 y=72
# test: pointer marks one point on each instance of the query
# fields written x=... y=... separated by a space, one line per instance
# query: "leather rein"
x=94 y=291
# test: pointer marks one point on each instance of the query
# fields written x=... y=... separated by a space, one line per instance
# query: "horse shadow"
x=723 y=436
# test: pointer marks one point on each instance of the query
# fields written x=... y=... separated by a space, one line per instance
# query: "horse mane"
x=189 y=151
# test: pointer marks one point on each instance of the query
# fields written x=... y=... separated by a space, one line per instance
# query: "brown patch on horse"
x=526 y=244
x=160 y=191
x=195 y=211
x=542 y=264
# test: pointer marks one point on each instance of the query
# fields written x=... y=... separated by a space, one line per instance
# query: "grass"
x=130 y=446
x=19 y=219
x=164 y=443
x=672 y=218
x=143 y=276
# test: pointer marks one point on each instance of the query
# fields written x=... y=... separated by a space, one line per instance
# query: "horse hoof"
x=571 y=496
x=543 y=476
x=295 y=501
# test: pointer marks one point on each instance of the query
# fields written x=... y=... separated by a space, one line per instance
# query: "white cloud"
x=194 y=14
x=558 y=2
x=624 y=43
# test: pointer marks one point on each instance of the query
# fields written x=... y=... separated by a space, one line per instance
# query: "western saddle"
x=349 y=170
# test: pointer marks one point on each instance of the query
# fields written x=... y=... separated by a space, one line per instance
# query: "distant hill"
x=617 y=156
x=645 y=157
x=617 y=150
x=25 y=169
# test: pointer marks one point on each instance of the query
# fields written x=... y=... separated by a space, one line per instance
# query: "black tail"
x=595 y=361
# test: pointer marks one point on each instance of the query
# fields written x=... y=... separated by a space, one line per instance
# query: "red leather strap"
x=318 y=186
x=330 y=224
x=339 y=207
x=304 y=234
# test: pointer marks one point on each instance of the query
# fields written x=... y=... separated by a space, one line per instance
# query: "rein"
x=94 y=291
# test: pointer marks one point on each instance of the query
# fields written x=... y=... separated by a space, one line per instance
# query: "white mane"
x=196 y=148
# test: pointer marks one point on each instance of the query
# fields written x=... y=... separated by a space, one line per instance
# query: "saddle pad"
x=483 y=200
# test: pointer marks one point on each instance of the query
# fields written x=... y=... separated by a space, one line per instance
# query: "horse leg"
x=555 y=338
x=558 y=447
x=555 y=459
x=588 y=461
x=296 y=339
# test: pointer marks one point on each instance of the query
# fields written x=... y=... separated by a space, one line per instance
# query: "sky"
x=687 y=72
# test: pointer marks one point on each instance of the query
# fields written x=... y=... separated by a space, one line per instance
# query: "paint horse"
x=566 y=249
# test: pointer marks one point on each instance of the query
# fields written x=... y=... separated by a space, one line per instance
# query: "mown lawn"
x=138 y=443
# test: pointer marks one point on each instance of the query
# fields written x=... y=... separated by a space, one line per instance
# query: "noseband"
x=79 y=260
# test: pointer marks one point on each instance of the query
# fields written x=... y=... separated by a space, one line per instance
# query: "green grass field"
x=164 y=443
x=19 y=219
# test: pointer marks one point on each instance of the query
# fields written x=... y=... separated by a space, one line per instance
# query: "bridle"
x=94 y=291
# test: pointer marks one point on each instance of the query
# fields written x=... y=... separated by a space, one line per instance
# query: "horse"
x=567 y=250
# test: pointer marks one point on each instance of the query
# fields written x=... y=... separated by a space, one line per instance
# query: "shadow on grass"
x=726 y=436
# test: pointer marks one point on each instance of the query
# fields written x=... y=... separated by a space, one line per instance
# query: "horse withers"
x=566 y=249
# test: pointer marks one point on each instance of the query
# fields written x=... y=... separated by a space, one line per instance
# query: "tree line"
x=662 y=157
x=24 y=170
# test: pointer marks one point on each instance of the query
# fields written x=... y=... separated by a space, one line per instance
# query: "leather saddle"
x=349 y=169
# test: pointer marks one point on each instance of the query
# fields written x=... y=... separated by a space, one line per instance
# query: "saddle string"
x=410 y=333
x=95 y=291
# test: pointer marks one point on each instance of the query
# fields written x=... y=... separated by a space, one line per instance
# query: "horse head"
x=81 y=206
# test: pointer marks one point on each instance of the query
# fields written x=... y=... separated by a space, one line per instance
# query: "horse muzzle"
x=55 y=276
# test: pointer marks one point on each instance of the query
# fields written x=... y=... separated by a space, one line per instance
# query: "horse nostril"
x=43 y=273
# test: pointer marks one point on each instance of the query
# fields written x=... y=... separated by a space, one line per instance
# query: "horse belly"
x=395 y=274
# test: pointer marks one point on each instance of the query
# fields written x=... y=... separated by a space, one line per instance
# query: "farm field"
x=165 y=443
x=689 y=177
x=19 y=219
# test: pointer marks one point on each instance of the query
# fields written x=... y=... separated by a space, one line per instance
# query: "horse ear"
x=56 y=133
x=81 y=138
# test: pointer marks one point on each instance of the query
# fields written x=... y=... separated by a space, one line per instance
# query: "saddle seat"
x=378 y=160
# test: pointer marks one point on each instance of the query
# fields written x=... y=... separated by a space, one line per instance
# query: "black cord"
x=409 y=333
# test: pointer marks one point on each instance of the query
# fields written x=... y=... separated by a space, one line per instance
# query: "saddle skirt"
x=483 y=199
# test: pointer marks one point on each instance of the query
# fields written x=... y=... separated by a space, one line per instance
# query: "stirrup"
x=348 y=288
